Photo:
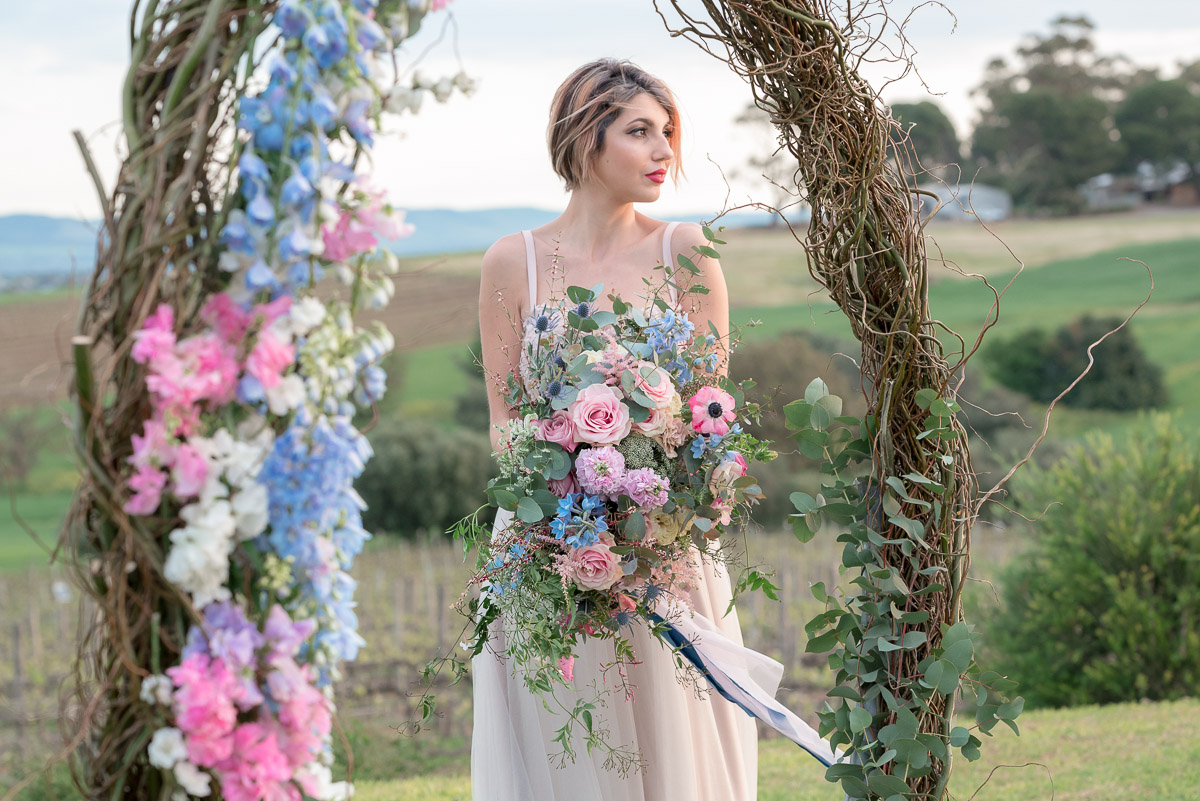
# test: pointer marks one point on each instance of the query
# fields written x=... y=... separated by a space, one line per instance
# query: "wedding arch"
x=215 y=383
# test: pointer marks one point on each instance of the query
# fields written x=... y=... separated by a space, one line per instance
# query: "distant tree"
x=1159 y=123
x=1047 y=125
x=1042 y=365
x=766 y=161
x=931 y=133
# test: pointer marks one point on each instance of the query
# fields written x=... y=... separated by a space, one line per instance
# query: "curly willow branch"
x=865 y=246
x=188 y=61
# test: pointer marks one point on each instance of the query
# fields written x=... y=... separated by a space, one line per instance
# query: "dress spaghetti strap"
x=531 y=265
x=668 y=261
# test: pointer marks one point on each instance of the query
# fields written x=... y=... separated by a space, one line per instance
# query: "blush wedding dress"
x=695 y=744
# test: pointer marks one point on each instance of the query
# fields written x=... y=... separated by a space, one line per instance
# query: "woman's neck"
x=595 y=225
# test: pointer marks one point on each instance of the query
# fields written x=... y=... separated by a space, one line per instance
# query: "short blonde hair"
x=588 y=102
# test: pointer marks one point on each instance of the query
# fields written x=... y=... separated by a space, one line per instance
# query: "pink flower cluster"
x=254 y=759
x=601 y=472
x=358 y=230
x=191 y=375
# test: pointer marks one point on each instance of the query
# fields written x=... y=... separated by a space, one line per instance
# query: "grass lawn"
x=1116 y=752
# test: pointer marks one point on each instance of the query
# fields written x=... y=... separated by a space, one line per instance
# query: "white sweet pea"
x=199 y=557
x=306 y=314
x=285 y=396
x=195 y=781
x=250 y=510
x=167 y=748
x=156 y=689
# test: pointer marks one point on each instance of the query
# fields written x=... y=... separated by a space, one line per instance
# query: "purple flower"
x=601 y=471
x=647 y=488
x=285 y=636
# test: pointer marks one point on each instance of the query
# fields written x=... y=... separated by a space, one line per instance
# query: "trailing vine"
x=899 y=645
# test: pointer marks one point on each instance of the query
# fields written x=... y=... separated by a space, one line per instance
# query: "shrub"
x=1042 y=365
x=422 y=478
x=1105 y=606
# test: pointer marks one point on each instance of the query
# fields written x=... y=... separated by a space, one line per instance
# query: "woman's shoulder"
x=504 y=262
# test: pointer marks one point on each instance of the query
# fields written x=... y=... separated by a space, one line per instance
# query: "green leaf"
x=822 y=643
x=958 y=736
x=578 y=294
x=816 y=390
x=960 y=654
x=913 y=528
x=848 y=693
x=506 y=500
x=911 y=751
x=803 y=502
x=860 y=719
x=818 y=591
x=707 y=251
x=1011 y=709
x=528 y=510
x=603 y=318
x=820 y=418
x=688 y=264
x=925 y=397
x=912 y=639
x=797 y=415
x=811 y=442
x=800 y=528
x=884 y=785
x=831 y=404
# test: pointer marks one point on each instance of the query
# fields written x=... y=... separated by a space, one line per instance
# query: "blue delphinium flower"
x=578 y=522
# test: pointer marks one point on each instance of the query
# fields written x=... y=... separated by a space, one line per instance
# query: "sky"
x=66 y=62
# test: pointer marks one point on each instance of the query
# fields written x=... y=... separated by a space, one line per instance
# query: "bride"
x=613 y=137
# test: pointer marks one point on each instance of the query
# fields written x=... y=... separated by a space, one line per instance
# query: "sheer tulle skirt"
x=696 y=745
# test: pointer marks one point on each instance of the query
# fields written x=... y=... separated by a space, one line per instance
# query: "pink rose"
x=561 y=487
x=599 y=416
x=712 y=411
x=594 y=567
x=660 y=393
x=655 y=425
x=560 y=429
x=727 y=472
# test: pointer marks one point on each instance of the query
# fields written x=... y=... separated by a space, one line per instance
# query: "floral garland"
x=249 y=443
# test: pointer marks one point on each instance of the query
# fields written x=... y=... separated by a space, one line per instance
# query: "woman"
x=613 y=137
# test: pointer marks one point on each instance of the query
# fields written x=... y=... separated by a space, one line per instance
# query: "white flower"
x=167 y=748
x=250 y=510
x=442 y=89
x=156 y=689
x=286 y=395
x=306 y=314
x=192 y=779
x=465 y=83
x=199 y=559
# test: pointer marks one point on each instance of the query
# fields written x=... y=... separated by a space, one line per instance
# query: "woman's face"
x=633 y=162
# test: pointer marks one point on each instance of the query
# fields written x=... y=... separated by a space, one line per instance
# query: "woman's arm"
x=503 y=286
x=703 y=309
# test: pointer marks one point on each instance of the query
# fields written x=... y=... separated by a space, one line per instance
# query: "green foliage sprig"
x=865 y=633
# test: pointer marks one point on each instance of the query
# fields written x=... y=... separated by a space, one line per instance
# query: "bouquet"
x=625 y=460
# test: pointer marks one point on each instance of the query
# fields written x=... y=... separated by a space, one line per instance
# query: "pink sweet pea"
x=190 y=471
x=712 y=411
x=147 y=485
x=566 y=666
x=226 y=317
x=269 y=359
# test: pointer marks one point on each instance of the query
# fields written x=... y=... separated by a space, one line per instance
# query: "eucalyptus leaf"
x=816 y=390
